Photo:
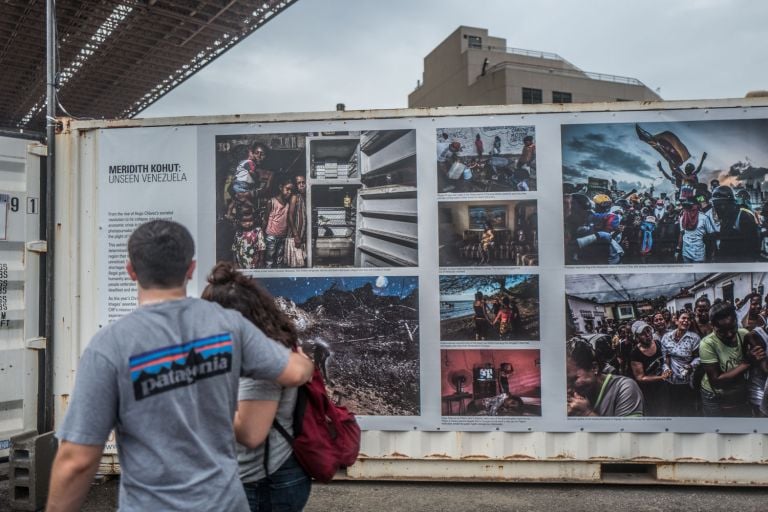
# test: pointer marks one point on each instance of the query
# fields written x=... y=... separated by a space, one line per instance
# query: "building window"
x=531 y=96
x=728 y=292
x=561 y=97
x=475 y=42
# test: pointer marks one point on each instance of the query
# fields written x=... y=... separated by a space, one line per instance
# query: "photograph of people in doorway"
x=666 y=345
x=363 y=333
x=492 y=233
x=476 y=382
x=488 y=159
x=660 y=193
x=261 y=214
x=489 y=307
x=363 y=199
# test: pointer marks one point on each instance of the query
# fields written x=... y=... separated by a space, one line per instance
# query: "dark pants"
x=682 y=399
x=714 y=406
x=285 y=490
x=275 y=251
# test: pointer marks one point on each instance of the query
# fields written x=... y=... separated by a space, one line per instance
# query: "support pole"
x=46 y=422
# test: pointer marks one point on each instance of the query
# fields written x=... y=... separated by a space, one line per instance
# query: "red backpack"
x=326 y=436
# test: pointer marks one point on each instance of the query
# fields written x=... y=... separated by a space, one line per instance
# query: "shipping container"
x=407 y=220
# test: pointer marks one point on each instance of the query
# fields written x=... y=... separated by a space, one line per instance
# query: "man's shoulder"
x=137 y=319
x=625 y=383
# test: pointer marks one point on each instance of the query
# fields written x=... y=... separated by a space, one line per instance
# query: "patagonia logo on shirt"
x=176 y=366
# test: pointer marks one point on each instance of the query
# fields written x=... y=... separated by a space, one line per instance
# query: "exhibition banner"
x=549 y=272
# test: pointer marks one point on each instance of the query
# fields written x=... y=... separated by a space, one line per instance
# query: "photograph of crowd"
x=659 y=193
x=362 y=199
x=489 y=307
x=494 y=159
x=363 y=332
x=493 y=233
x=667 y=345
x=261 y=216
x=490 y=382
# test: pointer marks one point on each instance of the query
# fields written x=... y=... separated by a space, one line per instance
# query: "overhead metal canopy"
x=115 y=58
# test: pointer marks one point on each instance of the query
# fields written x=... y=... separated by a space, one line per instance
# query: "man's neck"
x=158 y=295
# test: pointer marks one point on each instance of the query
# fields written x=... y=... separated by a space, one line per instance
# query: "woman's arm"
x=253 y=420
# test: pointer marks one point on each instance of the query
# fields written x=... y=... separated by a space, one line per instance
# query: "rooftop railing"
x=573 y=72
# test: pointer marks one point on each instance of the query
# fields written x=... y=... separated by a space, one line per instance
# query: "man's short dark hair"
x=720 y=311
x=160 y=252
x=581 y=353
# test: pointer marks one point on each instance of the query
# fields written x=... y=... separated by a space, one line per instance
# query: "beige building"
x=472 y=68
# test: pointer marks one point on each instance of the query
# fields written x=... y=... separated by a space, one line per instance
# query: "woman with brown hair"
x=272 y=477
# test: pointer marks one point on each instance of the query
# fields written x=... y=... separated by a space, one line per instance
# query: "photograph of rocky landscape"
x=364 y=334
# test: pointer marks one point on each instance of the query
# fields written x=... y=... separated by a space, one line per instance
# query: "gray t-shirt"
x=165 y=377
x=252 y=461
x=619 y=396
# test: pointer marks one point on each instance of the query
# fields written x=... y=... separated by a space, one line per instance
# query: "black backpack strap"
x=266 y=456
x=277 y=426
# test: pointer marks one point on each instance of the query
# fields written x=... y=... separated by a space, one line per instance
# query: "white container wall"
x=452 y=282
x=19 y=285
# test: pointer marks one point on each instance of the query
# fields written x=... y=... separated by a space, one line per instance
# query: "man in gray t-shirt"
x=591 y=393
x=165 y=378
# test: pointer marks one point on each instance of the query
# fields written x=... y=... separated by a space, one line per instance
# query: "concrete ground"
x=496 y=497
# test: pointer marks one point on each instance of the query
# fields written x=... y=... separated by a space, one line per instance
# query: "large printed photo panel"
x=661 y=193
x=479 y=382
x=363 y=333
x=330 y=199
x=666 y=345
x=363 y=200
x=488 y=233
x=261 y=194
x=486 y=159
x=489 y=307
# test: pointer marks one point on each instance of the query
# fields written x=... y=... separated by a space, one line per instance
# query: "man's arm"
x=698 y=169
x=293 y=229
x=718 y=378
x=298 y=370
x=670 y=178
x=71 y=476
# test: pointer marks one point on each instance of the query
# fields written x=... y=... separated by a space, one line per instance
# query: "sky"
x=614 y=151
x=299 y=289
x=488 y=289
x=368 y=54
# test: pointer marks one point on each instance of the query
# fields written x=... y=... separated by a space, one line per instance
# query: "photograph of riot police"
x=666 y=345
x=495 y=159
x=659 y=193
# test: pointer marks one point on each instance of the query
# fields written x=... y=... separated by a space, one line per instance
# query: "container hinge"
x=37 y=149
x=38 y=246
x=39 y=343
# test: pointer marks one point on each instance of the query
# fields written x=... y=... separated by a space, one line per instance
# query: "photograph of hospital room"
x=488 y=233
x=362 y=199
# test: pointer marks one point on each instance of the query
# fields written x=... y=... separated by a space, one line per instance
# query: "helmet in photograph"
x=602 y=202
x=722 y=195
x=581 y=202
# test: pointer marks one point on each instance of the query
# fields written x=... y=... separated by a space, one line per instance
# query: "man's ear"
x=131 y=271
x=191 y=270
